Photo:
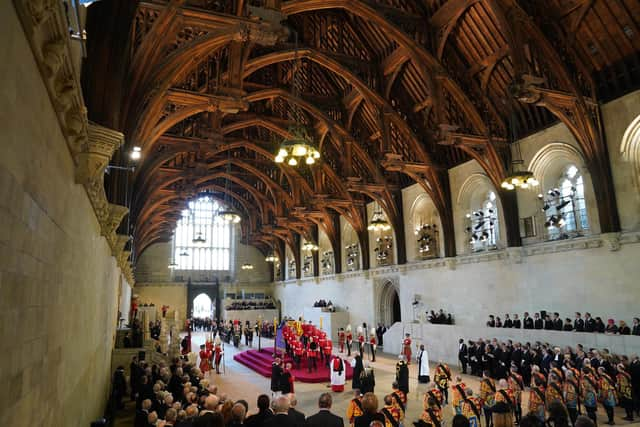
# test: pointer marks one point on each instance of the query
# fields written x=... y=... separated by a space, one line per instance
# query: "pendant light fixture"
x=299 y=147
x=378 y=221
x=228 y=215
x=309 y=246
x=517 y=178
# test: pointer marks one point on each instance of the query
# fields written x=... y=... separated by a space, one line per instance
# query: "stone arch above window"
x=630 y=149
x=424 y=223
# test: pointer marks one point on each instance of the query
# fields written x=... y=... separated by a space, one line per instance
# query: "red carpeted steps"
x=260 y=361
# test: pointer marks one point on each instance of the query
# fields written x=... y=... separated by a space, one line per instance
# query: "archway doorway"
x=389 y=309
x=203 y=307
x=396 y=308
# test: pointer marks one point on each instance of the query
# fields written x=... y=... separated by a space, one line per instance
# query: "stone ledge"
x=516 y=255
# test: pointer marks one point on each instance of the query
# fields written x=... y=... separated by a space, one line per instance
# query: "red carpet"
x=260 y=361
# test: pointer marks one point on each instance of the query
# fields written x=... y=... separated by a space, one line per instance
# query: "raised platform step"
x=260 y=362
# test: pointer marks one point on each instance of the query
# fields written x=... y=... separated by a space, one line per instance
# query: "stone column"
x=164 y=335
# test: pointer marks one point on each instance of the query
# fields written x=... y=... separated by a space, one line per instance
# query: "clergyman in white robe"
x=423 y=365
x=338 y=374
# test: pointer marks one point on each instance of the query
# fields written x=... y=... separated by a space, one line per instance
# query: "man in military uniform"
x=406 y=348
x=442 y=377
x=341 y=339
x=354 y=409
x=349 y=339
x=372 y=344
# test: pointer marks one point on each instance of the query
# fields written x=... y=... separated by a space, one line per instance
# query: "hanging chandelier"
x=199 y=238
x=247 y=266
x=309 y=246
x=517 y=177
x=378 y=222
x=272 y=257
x=230 y=216
x=299 y=145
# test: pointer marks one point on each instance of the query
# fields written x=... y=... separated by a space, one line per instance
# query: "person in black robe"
x=367 y=380
x=285 y=381
x=119 y=387
x=276 y=372
x=357 y=370
x=402 y=375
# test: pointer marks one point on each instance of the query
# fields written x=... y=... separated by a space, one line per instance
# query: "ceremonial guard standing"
x=349 y=339
x=607 y=388
x=312 y=354
x=361 y=340
x=372 y=344
x=625 y=393
x=423 y=363
x=406 y=348
x=589 y=393
x=217 y=353
x=516 y=384
x=327 y=349
x=341 y=339
x=458 y=394
x=205 y=357
x=442 y=377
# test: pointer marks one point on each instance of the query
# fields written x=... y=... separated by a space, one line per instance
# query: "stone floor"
x=239 y=382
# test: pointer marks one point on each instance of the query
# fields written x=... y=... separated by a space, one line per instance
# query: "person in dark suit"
x=578 y=323
x=324 y=417
x=370 y=411
x=264 y=413
x=276 y=372
x=507 y=322
x=297 y=416
x=557 y=322
x=527 y=322
x=589 y=323
x=208 y=417
x=238 y=412
x=537 y=321
x=516 y=322
x=142 y=414
x=281 y=417
x=462 y=355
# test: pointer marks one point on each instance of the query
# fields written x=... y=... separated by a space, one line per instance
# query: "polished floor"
x=239 y=382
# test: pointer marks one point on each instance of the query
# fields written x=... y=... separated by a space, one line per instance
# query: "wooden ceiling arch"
x=393 y=91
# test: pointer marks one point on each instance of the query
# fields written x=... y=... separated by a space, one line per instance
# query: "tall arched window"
x=570 y=216
x=483 y=224
x=202 y=241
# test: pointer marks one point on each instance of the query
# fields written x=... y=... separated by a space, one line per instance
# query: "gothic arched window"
x=483 y=225
x=570 y=216
x=202 y=241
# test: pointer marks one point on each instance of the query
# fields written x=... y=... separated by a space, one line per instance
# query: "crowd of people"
x=440 y=318
x=553 y=322
x=179 y=395
x=251 y=305
x=559 y=380
x=324 y=305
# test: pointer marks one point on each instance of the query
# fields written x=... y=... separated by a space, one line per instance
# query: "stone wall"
x=58 y=281
x=577 y=275
x=172 y=294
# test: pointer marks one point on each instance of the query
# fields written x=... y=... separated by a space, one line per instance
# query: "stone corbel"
x=611 y=240
x=116 y=213
x=96 y=153
x=120 y=242
x=451 y=263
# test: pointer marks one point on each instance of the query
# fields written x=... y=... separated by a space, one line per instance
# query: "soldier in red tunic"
x=361 y=341
x=327 y=348
x=298 y=353
x=349 y=339
x=341 y=339
x=322 y=341
x=205 y=355
x=406 y=348
x=312 y=354
x=373 y=344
